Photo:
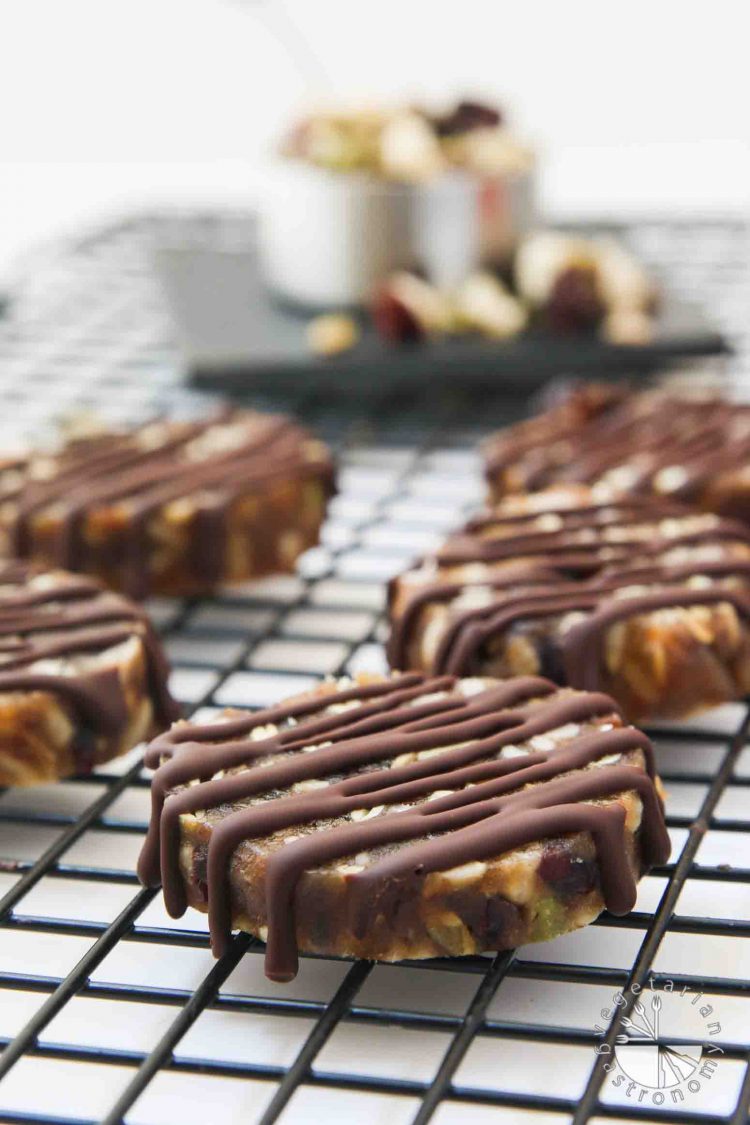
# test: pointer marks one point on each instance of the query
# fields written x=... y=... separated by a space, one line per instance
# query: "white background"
x=112 y=103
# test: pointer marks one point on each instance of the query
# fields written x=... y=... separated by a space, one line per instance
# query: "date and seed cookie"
x=405 y=817
x=690 y=447
x=639 y=597
x=82 y=675
x=171 y=507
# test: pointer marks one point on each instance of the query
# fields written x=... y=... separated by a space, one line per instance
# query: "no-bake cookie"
x=411 y=816
x=638 y=597
x=691 y=447
x=82 y=675
x=170 y=507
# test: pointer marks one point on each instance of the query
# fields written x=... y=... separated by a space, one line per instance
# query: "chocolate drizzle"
x=495 y=803
x=586 y=563
x=132 y=476
x=60 y=617
x=599 y=431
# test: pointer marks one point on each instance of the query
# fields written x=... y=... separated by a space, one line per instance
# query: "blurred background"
x=637 y=107
x=403 y=159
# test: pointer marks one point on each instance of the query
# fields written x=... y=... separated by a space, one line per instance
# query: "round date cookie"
x=82 y=675
x=639 y=597
x=404 y=817
x=171 y=507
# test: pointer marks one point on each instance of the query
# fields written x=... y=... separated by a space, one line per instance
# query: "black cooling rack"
x=110 y=1011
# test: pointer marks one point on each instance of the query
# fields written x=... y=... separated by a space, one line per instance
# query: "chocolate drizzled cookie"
x=406 y=817
x=639 y=597
x=678 y=446
x=82 y=675
x=171 y=507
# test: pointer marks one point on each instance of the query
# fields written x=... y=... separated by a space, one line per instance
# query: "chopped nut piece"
x=366 y=814
x=406 y=307
x=409 y=149
x=332 y=334
x=628 y=327
x=466 y=874
x=449 y=933
x=484 y=303
x=495 y=152
x=624 y=283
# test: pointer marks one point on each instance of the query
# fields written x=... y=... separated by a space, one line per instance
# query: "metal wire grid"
x=110 y=1011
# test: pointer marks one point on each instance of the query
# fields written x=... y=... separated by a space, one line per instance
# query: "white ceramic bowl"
x=327 y=238
x=461 y=221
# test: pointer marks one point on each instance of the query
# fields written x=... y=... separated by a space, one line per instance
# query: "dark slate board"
x=237 y=337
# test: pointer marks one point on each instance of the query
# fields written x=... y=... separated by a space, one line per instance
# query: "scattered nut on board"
x=484 y=304
x=628 y=327
x=332 y=334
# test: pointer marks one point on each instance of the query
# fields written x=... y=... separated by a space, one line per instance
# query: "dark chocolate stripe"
x=598 y=430
x=463 y=548
x=581 y=645
x=618 y=511
x=402 y=625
